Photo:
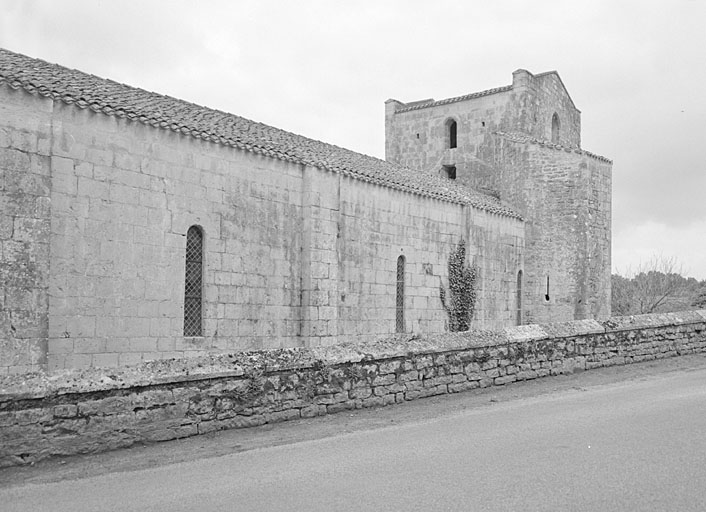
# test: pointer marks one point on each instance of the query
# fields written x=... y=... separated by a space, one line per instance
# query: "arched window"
x=556 y=125
x=193 y=282
x=452 y=133
x=519 y=298
x=399 y=314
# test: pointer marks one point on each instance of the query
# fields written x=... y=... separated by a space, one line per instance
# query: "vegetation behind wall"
x=656 y=286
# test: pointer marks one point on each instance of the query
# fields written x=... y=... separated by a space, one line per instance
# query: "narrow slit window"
x=546 y=297
x=452 y=134
x=193 y=282
x=519 y=297
x=399 y=314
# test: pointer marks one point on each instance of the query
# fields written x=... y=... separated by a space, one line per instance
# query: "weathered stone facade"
x=96 y=410
x=522 y=143
x=25 y=232
x=302 y=242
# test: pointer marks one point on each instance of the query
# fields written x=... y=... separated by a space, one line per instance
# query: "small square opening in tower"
x=450 y=171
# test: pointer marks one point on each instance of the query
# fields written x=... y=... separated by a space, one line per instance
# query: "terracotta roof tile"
x=116 y=99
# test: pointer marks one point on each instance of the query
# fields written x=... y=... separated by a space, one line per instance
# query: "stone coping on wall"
x=41 y=385
x=536 y=332
x=64 y=382
x=626 y=323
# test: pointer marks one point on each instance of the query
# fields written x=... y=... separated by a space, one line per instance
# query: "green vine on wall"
x=461 y=299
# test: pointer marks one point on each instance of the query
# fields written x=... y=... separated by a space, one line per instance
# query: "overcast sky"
x=635 y=69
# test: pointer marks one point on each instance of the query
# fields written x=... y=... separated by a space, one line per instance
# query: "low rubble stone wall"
x=85 y=411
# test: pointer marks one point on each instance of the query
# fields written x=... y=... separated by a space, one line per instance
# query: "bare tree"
x=655 y=285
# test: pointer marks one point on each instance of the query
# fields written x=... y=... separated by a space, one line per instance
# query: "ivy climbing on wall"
x=460 y=301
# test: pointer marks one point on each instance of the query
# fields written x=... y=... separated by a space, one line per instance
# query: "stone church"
x=135 y=226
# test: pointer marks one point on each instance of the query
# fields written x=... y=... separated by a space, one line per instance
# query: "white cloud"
x=638 y=244
x=324 y=69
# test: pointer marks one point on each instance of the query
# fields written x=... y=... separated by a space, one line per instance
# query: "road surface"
x=635 y=444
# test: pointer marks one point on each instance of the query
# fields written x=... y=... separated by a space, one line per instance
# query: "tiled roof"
x=115 y=99
x=521 y=137
x=416 y=105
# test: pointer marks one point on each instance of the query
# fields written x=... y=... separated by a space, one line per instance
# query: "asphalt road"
x=635 y=443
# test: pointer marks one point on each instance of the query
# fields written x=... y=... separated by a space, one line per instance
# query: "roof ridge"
x=433 y=103
x=85 y=90
x=420 y=104
x=524 y=138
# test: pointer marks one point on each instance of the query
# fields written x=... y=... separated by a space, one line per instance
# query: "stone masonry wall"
x=25 y=211
x=123 y=196
x=497 y=249
x=562 y=192
x=92 y=410
x=543 y=96
x=377 y=226
x=293 y=256
x=566 y=197
x=418 y=138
